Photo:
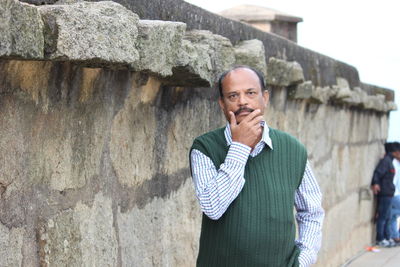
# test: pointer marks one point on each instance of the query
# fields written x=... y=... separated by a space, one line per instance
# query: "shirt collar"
x=264 y=138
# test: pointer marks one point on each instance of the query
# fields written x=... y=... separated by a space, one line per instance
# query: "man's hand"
x=248 y=132
x=375 y=188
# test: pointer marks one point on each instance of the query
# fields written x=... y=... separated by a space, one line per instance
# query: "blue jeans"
x=394 y=229
x=382 y=224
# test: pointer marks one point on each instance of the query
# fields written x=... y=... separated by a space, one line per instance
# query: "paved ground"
x=386 y=257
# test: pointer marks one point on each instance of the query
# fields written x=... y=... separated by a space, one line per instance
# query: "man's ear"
x=221 y=103
x=266 y=97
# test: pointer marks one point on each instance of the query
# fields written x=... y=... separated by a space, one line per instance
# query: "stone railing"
x=108 y=35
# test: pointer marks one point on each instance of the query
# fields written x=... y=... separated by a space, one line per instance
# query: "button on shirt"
x=217 y=188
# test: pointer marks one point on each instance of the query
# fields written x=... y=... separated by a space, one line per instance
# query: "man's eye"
x=251 y=93
x=232 y=97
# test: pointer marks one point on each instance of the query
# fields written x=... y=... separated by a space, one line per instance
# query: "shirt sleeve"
x=309 y=216
x=217 y=188
x=380 y=170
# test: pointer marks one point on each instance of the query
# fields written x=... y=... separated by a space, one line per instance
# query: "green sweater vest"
x=258 y=227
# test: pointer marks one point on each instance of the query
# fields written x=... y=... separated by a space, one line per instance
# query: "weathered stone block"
x=251 y=53
x=323 y=94
x=303 y=91
x=307 y=90
x=359 y=98
x=356 y=97
x=391 y=105
x=59 y=240
x=21 y=29
x=342 y=89
x=194 y=66
x=93 y=33
x=130 y=132
x=11 y=242
x=83 y=236
x=204 y=55
x=159 y=43
x=283 y=73
x=12 y=146
x=358 y=228
x=342 y=82
x=375 y=102
x=220 y=48
x=155 y=236
x=60 y=147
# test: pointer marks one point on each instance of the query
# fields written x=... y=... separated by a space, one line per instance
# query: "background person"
x=395 y=206
x=382 y=186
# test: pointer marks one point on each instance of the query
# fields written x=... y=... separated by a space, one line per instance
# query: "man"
x=395 y=204
x=248 y=177
x=382 y=186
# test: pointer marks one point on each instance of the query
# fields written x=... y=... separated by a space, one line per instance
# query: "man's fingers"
x=256 y=120
x=252 y=115
x=232 y=119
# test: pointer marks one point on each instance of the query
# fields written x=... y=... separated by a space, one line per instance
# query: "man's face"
x=396 y=155
x=241 y=94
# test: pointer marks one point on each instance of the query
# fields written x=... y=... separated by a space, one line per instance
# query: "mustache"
x=241 y=109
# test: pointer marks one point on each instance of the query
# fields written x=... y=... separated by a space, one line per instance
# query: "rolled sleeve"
x=217 y=188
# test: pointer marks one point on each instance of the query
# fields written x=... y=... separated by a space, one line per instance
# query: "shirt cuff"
x=305 y=259
x=238 y=152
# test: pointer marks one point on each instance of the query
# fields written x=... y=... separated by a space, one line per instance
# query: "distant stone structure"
x=265 y=19
x=99 y=105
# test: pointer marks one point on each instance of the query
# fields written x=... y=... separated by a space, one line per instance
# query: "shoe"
x=383 y=243
x=392 y=243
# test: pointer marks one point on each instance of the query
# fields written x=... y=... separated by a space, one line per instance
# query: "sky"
x=361 y=33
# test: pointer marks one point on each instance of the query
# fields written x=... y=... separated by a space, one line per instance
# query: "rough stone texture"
x=373 y=90
x=283 y=73
x=343 y=89
x=59 y=241
x=103 y=32
x=251 y=53
x=57 y=155
x=205 y=55
x=357 y=231
x=21 y=30
x=307 y=90
x=84 y=236
x=11 y=242
x=341 y=94
x=159 y=43
x=99 y=240
x=151 y=237
x=318 y=68
x=130 y=136
x=91 y=113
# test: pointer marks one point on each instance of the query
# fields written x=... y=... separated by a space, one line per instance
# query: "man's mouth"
x=243 y=109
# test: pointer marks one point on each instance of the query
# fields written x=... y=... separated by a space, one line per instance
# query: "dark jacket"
x=383 y=176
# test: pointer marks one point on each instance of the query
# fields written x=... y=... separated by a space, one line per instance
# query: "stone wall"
x=99 y=108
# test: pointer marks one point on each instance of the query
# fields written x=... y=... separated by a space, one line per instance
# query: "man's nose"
x=242 y=100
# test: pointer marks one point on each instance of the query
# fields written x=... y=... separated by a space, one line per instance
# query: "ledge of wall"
x=106 y=34
x=318 y=68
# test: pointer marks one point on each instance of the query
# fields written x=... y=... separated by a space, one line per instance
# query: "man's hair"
x=392 y=147
x=396 y=146
x=223 y=75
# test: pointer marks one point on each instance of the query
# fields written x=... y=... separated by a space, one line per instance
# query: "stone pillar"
x=265 y=19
